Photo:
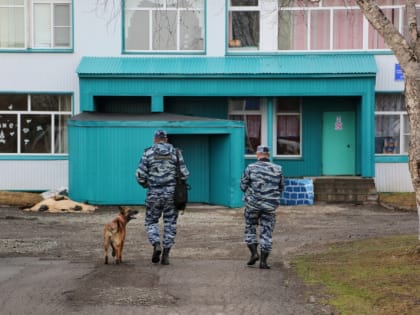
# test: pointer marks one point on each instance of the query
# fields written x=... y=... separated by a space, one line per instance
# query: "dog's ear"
x=122 y=209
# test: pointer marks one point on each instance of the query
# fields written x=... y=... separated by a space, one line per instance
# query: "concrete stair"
x=350 y=189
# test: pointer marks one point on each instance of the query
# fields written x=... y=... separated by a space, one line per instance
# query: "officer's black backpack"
x=181 y=188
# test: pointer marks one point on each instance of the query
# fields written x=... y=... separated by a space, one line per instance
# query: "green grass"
x=377 y=276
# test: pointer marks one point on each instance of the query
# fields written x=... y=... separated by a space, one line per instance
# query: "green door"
x=338 y=143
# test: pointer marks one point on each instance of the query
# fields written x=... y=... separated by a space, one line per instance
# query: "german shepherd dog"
x=115 y=231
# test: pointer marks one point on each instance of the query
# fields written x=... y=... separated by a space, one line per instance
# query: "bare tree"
x=407 y=51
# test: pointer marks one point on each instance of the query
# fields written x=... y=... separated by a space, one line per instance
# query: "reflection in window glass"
x=392 y=129
x=12 y=102
x=164 y=25
x=292 y=30
x=248 y=110
x=288 y=126
x=387 y=134
x=389 y=102
x=40 y=120
x=12 y=27
x=245 y=29
x=164 y=30
x=36 y=134
x=8 y=133
x=252 y=131
x=137 y=30
x=62 y=26
x=288 y=135
x=61 y=134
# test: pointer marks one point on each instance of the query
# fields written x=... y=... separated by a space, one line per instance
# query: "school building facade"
x=84 y=84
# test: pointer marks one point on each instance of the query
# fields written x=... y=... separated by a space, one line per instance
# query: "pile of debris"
x=49 y=201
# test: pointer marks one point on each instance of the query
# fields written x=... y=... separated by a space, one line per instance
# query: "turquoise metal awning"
x=319 y=65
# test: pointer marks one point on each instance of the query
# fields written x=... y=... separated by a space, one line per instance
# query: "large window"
x=331 y=25
x=392 y=126
x=164 y=25
x=288 y=126
x=249 y=110
x=284 y=25
x=34 y=123
x=35 y=24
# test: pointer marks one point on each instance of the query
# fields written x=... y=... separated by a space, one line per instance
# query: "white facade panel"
x=385 y=78
x=215 y=30
x=33 y=175
x=393 y=177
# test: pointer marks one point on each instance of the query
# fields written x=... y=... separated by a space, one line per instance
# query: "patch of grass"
x=405 y=200
x=377 y=276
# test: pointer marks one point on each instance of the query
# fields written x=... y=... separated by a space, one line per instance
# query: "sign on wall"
x=398 y=73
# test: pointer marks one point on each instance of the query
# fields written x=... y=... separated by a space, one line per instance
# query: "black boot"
x=254 y=254
x=165 y=256
x=263 y=261
x=157 y=250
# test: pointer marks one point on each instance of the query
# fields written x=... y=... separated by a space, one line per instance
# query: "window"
x=35 y=24
x=392 y=126
x=34 y=124
x=244 y=24
x=284 y=25
x=250 y=111
x=164 y=25
x=288 y=126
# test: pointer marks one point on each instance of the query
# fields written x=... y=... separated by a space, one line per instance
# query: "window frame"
x=275 y=119
x=269 y=25
x=233 y=44
x=29 y=20
x=262 y=112
x=404 y=124
x=53 y=116
x=178 y=42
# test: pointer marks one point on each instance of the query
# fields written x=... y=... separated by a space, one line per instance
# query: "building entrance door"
x=338 y=143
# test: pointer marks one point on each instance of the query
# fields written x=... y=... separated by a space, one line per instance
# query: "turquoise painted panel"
x=222 y=87
x=220 y=169
x=311 y=64
x=104 y=158
x=195 y=149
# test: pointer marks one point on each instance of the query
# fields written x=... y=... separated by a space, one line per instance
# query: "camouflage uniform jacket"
x=262 y=182
x=157 y=168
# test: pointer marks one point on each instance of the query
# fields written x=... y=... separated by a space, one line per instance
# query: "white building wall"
x=385 y=78
x=98 y=32
x=390 y=177
x=393 y=177
x=33 y=175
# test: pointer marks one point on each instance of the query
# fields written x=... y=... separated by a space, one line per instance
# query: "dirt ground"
x=52 y=263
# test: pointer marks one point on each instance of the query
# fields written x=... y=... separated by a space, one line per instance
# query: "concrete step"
x=345 y=189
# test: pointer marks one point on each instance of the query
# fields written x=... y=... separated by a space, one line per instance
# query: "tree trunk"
x=412 y=97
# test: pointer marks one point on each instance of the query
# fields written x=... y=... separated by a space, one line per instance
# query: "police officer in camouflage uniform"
x=156 y=172
x=262 y=182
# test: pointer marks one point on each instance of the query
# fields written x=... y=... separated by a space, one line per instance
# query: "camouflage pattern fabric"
x=157 y=171
x=266 y=220
x=262 y=182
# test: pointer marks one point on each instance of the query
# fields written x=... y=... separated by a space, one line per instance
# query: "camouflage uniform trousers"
x=266 y=220
x=161 y=206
